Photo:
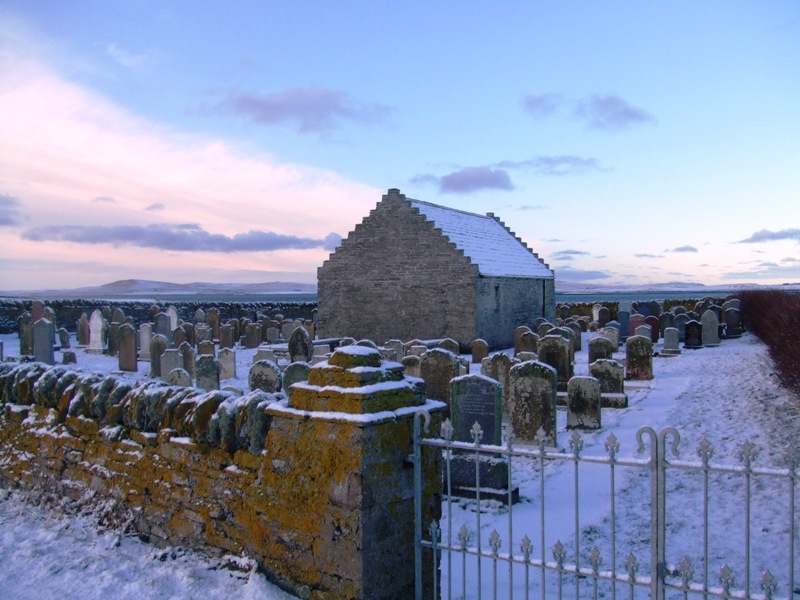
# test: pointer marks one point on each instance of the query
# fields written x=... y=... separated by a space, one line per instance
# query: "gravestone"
x=127 y=348
x=206 y=348
x=410 y=364
x=227 y=363
x=543 y=329
x=212 y=320
x=639 y=358
x=601 y=348
x=227 y=336
x=576 y=339
x=611 y=334
x=532 y=398
x=202 y=333
x=118 y=316
x=610 y=374
x=266 y=376
x=162 y=326
x=287 y=328
x=145 y=333
x=498 y=366
x=172 y=313
x=199 y=316
x=178 y=336
x=679 y=310
x=679 y=323
x=236 y=325
x=113 y=339
x=528 y=343
x=301 y=346
x=596 y=311
x=207 y=373
x=25 y=329
x=624 y=320
x=733 y=323
x=171 y=359
x=518 y=338
x=554 y=351
x=43 y=341
x=476 y=398
x=158 y=345
x=395 y=347
x=63 y=338
x=480 y=350
x=450 y=345
x=97 y=333
x=189 y=359
x=437 y=367
x=655 y=328
x=710 y=328
x=178 y=377
x=264 y=354
x=665 y=320
x=188 y=330
x=154 y=310
x=68 y=358
x=252 y=335
x=583 y=402
x=693 y=335
x=636 y=320
x=644 y=330
x=655 y=308
x=83 y=331
x=671 y=343
x=603 y=316
x=37 y=311
x=568 y=335
x=294 y=373
x=416 y=350
x=273 y=335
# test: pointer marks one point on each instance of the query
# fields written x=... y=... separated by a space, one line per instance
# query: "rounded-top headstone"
x=348 y=357
x=301 y=347
x=265 y=375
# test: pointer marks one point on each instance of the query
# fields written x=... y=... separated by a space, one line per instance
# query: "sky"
x=626 y=143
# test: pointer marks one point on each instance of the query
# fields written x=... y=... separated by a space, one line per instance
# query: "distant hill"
x=142 y=288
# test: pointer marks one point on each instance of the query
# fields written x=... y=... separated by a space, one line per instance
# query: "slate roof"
x=486 y=242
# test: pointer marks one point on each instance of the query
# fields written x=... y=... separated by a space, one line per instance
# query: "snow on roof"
x=484 y=241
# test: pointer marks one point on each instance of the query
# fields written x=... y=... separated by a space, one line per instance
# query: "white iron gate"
x=703 y=497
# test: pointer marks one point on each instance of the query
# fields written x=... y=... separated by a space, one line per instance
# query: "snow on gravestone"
x=301 y=348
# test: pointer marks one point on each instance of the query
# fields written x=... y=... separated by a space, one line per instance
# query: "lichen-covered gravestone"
x=498 y=366
x=266 y=376
x=583 y=403
x=532 y=399
x=294 y=373
x=207 y=373
x=158 y=344
x=437 y=367
x=639 y=358
x=127 y=348
x=554 y=351
x=43 y=341
x=301 y=347
x=227 y=363
x=480 y=350
x=599 y=348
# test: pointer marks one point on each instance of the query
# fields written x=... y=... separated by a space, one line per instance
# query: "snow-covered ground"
x=728 y=393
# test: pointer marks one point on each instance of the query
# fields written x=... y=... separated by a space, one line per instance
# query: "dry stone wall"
x=322 y=500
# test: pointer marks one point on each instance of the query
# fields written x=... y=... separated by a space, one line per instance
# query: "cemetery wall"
x=68 y=311
x=324 y=504
x=396 y=276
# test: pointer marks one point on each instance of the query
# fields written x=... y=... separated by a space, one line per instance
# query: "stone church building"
x=412 y=269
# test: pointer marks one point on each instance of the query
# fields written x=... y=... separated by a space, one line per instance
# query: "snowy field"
x=727 y=393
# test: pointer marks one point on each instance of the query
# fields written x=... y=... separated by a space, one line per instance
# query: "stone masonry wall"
x=395 y=276
x=323 y=502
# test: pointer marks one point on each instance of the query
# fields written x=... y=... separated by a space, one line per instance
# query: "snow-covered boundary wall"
x=322 y=500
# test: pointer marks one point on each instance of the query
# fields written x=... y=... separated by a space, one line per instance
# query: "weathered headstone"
x=63 y=338
x=158 y=345
x=145 y=333
x=207 y=373
x=543 y=329
x=554 y=351
x=252 y=335
x=118 y=316
x=301 y=346
x=178 y=336
x=611 y=334
x=693 y=335
x=437 y=367
x=480 y=350
x=601 y=348
x=664 y=321
x=679 y=323
x=264 y=354
x=206 y=348
x=43 y=341
x=710 y=328
x=25 y=329
x=733 y=323
x=518 y=337
x=528 y=342
x=498 y=366
x=68 y=358
x=227 y=363
x=199 y=316
x=294 y=373
x=287 y=327
x=603 y=316
x=624 y=320
x=532 y=399
x=127 y=348
x=644 y=330
x=610 y=374
x=171 y=359
x=162 y=326
x=636 y=320
x=178 y=377
x=450 y=345
x=172 y=313
x=227 y=337
x=189 y=358
x=83 y=331
x=583 y=402
x=273 y=335
x=410 y=364
x=576 y=339
x=638 y=358
x=212 y=320
x=113 y=339
x=655 y=328
x=671 y=342
x=265 y=375
x=97 y=333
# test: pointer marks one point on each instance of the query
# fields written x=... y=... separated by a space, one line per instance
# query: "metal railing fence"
x=470 y=562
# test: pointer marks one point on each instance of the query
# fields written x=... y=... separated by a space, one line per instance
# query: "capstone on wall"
x=395 y=276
